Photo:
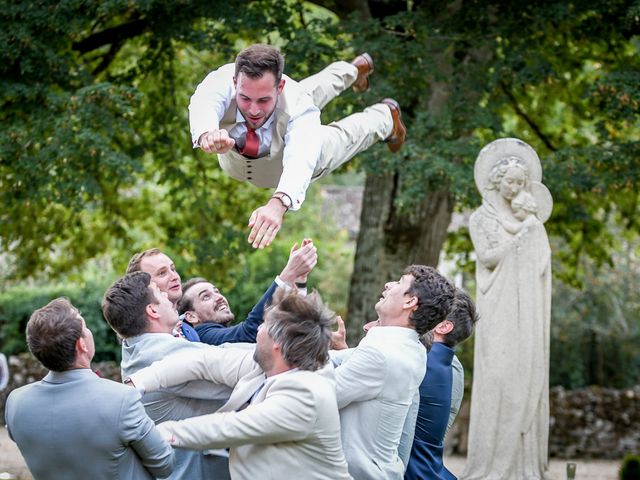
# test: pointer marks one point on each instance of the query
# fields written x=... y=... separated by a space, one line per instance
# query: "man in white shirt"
x=265 y=127
x=377 y=381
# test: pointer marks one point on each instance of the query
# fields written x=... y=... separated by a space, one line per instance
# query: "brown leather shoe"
x=364 y=64
x=399 y=132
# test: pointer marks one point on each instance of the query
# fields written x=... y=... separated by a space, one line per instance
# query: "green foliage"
x=561 y=76
x=96 y=158
x=242 y=283
x=249 y=275
x=630 y=467
x=96 y=155
x=18 y=303
x=595 y=329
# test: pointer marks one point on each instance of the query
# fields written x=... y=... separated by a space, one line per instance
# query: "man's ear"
x=191 y=317
x=280 y=86
x=150 y=310
x=444 y=327
x=235 y=81
x=81 y=345
x=411 y=302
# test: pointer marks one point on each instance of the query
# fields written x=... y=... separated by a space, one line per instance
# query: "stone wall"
x=586 y=423
x=594 y=423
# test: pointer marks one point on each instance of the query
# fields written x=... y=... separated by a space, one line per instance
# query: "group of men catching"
x=279 y=390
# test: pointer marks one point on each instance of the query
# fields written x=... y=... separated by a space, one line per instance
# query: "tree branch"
x=111 y=35
x=107 y=58
x=522 y=114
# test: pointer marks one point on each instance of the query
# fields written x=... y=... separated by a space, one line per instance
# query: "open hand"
x=301 y=262
x=339 y=337
x=265 y=222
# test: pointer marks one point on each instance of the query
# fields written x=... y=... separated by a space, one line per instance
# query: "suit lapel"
x=243 y=391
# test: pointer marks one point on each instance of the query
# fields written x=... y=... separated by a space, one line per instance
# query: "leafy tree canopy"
x=95 y=155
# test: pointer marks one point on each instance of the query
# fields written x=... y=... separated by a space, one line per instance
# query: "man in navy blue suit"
x=208 y=311
x=425 y=460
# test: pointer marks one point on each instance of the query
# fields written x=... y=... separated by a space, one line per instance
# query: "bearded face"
x=209 y=305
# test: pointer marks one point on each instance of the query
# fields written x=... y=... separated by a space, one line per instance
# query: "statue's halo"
x=544 y=201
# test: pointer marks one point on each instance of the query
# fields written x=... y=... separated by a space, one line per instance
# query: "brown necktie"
x=251 y=144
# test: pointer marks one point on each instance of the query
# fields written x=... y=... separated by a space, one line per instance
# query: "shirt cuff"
x=287 y=287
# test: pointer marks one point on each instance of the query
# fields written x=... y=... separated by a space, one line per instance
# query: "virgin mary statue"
x=509 y=424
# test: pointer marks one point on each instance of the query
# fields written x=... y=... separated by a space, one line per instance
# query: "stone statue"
x=509 y=425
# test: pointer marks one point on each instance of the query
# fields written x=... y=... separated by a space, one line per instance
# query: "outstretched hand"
x=339 y=337
x=265 y=222
x=216 y=141
x=301 y=261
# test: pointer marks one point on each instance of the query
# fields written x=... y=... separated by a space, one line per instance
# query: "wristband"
x=284 y=199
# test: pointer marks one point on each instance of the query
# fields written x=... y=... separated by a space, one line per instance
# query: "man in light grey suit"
x=73 y=424
x=282 y=419
x=144 y=318
x=377 y=381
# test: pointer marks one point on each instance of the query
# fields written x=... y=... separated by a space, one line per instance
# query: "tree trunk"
x=389 y=241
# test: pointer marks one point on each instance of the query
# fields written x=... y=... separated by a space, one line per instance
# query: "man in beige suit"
x=265 y=127
x=281 y=420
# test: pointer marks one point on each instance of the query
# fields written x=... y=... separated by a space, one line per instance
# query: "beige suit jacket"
x=283 y=426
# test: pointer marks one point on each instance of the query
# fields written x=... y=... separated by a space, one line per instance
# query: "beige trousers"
x=344 y=139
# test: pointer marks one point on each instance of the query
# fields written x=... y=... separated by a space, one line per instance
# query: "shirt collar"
x=386 y=331
x=69 y=375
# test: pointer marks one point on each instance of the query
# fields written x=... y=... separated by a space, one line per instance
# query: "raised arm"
x=301 y=261
x=287 y=414
x=246 y=331
x=218 y=365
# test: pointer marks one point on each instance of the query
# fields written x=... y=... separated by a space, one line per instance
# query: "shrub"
x=630 y=468
x=18 y=303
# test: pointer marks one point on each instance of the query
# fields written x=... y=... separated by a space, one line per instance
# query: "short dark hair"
x=463 y=316
x=301 y=325
x=257 y=59
x=52 y=333
x=435 y=296
x=134 y=263
x=125 y=302
x=185 y=304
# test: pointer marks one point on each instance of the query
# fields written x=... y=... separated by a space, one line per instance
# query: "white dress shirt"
x=303 y=138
